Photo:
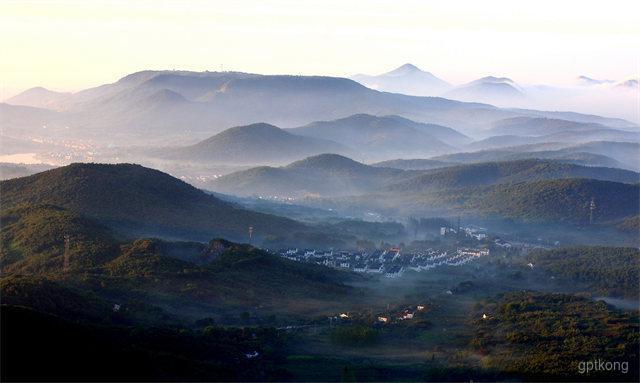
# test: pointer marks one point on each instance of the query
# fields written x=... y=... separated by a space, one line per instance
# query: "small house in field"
x=407 y=316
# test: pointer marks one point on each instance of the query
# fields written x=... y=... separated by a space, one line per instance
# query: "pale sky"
x=71 y=45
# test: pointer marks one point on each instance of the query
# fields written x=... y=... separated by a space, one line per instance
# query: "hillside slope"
x=253 y=144
x=326 y=174
x=622 y=155
x=564 y=200
x=386 y=135
x=490 y=173
x=141 y=201
x=32 y=239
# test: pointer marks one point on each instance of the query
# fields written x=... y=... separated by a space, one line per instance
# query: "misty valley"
x=230 y=226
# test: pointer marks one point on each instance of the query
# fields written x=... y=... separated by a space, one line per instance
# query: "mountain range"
x=165 y=107
x=385 y=136
x=473 y=189
x=361 y=136
x=508 y=172
x=588 y=95
x=622 y=155
x=527 y=126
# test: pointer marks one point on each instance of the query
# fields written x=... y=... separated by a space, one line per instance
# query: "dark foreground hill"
x=69 y=351
x=140 y=201
x=144 y=314
x=220 y=274
x=32 y=239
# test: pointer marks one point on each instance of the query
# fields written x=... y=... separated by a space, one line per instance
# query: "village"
x=391 y=262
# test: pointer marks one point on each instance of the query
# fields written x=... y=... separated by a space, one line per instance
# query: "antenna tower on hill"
x=592 y=208
x=65 y=265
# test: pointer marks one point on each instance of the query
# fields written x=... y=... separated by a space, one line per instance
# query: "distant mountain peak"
x=494 y=79
x=255 y=143
x=406 y=79
x=585 y=80
x=489 y=89
x=255 y=127
x=631 y=83
x=38 y=97
x=404 y=69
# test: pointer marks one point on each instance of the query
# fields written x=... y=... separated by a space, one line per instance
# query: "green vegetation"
x=524 y=190
x=631 y=225
x=220 y=274
x=355 y=336
x=321 y=175
x=491 y=173
x=613 y=271
x=545 y=336
x=139 y=201
x=32 y=240
x=370 y=230
x=157 y=309
x=557 y=200
x=251 y=144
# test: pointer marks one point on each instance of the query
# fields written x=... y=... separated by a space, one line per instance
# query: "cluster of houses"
x=391 y=263
x=404 y=314
x=476 y=233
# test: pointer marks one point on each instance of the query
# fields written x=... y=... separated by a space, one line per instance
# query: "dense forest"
x=611 y=271
x=544 y=337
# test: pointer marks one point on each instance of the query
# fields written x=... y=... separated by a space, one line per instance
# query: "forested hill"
x=324 y=174
x=490 y=173
x=253 y=144
x=607 y=270
x=564 y=200
x=142 y=201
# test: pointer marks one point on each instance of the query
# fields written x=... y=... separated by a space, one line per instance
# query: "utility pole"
x=65 y=265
